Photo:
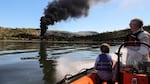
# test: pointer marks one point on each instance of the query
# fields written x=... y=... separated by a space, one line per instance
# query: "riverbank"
x=32 y=35
x=67 y=42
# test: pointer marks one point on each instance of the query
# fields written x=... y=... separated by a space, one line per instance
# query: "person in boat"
x=137 y=53
x=104 y=63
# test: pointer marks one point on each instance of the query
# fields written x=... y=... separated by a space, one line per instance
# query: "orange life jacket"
x=133 y=38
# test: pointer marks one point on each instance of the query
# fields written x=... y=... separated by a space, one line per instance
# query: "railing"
x=119 y=55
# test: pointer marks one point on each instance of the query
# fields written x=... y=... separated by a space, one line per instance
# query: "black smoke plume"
x=59 y=10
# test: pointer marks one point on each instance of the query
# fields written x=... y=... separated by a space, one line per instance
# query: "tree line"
x=33 y=34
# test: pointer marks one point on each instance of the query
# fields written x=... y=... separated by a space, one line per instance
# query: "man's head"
x=136 y=24
x=104 y=48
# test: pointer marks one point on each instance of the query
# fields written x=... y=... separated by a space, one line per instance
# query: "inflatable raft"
x=123 y=75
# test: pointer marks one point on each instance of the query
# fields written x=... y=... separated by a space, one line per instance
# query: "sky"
x=112 y=15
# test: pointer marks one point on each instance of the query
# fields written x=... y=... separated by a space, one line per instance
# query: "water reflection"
x=48 y=65
x=20 y=61
x=15 y=45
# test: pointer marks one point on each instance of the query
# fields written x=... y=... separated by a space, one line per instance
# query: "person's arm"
x=113 y=63
x=146 y=39
x=97 y=59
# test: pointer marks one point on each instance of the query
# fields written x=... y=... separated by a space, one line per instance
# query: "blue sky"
x=110 y=16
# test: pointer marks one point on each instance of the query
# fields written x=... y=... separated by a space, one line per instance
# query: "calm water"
x=43 y=62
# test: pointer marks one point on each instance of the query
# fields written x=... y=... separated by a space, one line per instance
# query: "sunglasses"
x=133 y=23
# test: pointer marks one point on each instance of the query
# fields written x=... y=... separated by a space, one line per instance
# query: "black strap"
x=135 y=35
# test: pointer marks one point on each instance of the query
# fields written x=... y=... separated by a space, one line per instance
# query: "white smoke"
x=93 y=2
x=129 y=3
x=133 y=3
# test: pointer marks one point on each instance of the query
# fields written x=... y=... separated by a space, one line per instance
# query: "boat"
x=124 y=75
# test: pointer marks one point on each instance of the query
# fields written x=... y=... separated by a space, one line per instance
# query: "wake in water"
x=123 y=57
x=69 y=66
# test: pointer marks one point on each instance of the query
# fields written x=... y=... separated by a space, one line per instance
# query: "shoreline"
x=67 y=42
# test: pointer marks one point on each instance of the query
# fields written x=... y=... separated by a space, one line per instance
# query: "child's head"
x=104 y=48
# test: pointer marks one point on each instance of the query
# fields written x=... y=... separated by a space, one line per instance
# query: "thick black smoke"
x=63 y=9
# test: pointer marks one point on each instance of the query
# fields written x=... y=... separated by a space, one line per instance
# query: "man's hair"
x=104 y=48
x=138 y=22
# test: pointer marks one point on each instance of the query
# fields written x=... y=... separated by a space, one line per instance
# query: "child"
x=104 y=64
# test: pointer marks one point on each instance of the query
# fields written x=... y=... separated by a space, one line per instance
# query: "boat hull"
x=91 y=78
x=126 y=78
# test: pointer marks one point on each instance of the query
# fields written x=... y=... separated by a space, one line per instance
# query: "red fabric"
x=141 y=78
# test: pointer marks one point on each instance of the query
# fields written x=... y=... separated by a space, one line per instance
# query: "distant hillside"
x=86 y=33
x=70 y=34
x=112 y=36
x=90 y=36
x=84 y=36
x=17 y=33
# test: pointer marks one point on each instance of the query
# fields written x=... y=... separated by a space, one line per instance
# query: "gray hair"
x=138 y=22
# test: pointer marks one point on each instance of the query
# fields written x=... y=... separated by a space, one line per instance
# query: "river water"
x=43 y=62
